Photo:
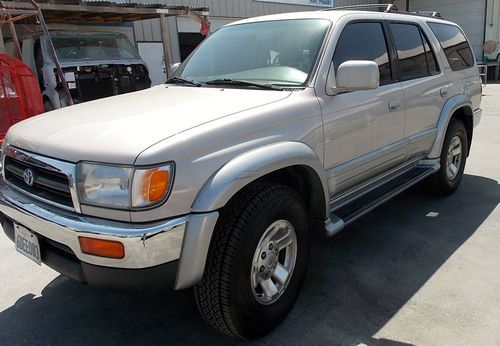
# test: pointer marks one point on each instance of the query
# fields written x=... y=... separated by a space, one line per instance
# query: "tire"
x=226 y=297
x=446 y=180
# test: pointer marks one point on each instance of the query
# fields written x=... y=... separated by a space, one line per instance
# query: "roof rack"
x=427 y=14
x=387 y=8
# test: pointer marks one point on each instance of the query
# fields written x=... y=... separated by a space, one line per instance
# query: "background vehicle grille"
x=48 y=184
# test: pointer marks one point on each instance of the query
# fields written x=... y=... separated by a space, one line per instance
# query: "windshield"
x=94 y=47
x=276 y=52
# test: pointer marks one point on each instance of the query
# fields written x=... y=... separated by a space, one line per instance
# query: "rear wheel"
x=256 y=263
x=453 y=157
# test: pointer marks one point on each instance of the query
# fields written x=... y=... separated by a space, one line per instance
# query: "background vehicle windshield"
x=94 y=47
x=276 y=52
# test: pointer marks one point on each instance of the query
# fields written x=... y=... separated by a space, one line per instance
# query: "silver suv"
x=275 y=128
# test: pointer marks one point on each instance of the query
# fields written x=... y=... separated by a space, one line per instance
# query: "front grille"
x=47 y=184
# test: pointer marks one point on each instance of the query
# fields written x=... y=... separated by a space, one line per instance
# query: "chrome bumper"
x=146 y=245
x=185 y=238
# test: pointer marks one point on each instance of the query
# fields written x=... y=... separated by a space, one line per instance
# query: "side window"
x=455 y=45
x=364 y=41
x=412 y=55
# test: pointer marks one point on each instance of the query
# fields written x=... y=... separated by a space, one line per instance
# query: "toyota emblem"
x=29 y=177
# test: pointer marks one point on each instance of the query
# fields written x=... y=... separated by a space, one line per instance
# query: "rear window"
x=455 y=45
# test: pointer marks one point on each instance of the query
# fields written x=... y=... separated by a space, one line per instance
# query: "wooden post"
x=167 y=56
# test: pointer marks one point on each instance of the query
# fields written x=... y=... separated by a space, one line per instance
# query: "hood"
x=117 y=129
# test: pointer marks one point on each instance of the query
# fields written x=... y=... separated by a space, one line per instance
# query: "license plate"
x=27 y=243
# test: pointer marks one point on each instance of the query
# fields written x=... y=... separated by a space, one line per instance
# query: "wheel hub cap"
x=454 y=158
x=274 y=262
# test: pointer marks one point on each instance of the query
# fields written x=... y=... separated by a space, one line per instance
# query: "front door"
x=363 y=130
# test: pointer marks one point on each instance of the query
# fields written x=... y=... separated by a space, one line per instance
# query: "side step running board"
x=345 y=212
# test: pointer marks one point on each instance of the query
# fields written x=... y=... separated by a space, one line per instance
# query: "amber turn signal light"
x=156 y=185
x=101 y=247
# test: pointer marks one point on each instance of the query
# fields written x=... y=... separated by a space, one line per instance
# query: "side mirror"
x=353 y=75
x=175 y=67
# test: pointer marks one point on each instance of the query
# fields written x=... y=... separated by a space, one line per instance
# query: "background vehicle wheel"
x=256 y=263
x=453 y=157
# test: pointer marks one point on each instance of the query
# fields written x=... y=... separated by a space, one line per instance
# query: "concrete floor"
x=398 y=276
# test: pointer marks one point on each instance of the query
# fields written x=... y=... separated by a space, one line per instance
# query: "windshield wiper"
x=180 y=80
x=236 y=82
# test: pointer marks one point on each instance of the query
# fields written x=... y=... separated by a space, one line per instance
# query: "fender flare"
x=249 y=166
x=448 y=110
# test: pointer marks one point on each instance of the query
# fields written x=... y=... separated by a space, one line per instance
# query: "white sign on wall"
x=319 y=3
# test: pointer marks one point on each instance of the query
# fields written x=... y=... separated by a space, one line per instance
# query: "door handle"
x=444 y=92
x=395 y=106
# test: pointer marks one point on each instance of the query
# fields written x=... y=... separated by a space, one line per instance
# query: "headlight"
x=123 y=187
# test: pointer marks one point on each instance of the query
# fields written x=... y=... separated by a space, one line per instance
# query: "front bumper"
x=152 y=251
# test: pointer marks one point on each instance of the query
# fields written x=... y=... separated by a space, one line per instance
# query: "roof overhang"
x=96 y=11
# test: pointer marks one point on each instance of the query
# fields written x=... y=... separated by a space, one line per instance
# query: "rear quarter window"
x=455 y=45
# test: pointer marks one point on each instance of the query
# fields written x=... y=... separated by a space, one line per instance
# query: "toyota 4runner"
x=274 y=128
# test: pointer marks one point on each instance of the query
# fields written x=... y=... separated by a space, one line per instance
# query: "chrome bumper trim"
x=146 y=245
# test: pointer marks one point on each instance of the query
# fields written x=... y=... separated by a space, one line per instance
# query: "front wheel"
x=256 y=263
x=453 y=157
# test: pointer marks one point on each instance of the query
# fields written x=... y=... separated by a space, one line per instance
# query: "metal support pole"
x=14 y=37
x=167 y=56
x=53 y=53
x=2 y=44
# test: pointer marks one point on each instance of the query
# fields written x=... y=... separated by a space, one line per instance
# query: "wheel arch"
x=459 y=107
x=289 y=163
x=465 y=115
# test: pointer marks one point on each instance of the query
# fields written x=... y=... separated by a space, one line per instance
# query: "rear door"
x=424 y=85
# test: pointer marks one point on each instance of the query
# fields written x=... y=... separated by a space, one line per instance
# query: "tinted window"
x=455 y=45
x=364 y=41
x=411 y=53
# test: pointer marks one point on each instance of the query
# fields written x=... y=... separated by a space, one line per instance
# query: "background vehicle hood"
x=117 y=129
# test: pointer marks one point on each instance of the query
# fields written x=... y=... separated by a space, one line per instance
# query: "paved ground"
x=398 y=276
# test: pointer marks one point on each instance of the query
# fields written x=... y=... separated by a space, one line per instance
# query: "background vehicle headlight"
x=123 y=187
